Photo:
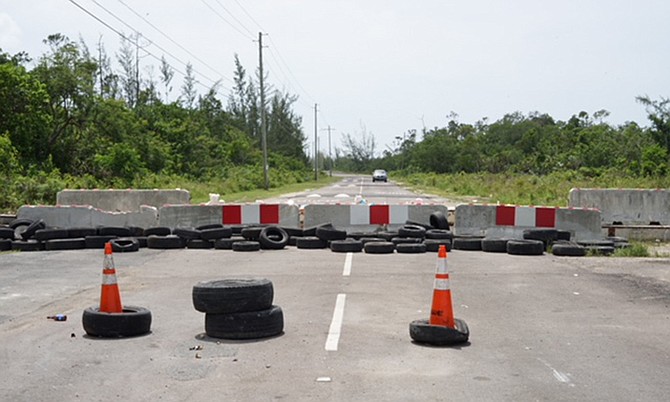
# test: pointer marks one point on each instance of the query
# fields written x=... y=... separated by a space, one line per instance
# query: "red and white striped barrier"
x=229 y=214
x=512 y=220
x=368 y=217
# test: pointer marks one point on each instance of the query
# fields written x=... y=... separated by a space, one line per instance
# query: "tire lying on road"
x=50 y=234
x=227 y=296
x=216 y=233
x=27 y=245
x=525 y=247
x=199 y=244
x=415 y=231
x=439 y=234
x=157 y=231
x=547 y=236
x=494 y=245
x=568 y=250
x=245 y=325
x=433 y=245
x=469 y=243
x=98 y=241
x=346 y=246
x=246 y=245
x=125 y=244
x=34 y=227
x=5 y=244
x=410 y=248
x=65 y=244
x=81 y=232
x=7 y=233
x=133 y=321
x=227 y=243
x=327 y=233
x=382 y=247
x=118 y=231
x=422 y=331
x=187 y=233
x=165 y=242
x=310 y=243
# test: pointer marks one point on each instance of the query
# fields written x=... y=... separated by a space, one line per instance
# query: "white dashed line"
x=336 y=324
x=347 y=264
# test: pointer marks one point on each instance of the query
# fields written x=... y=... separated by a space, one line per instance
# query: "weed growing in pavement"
x=634 y=250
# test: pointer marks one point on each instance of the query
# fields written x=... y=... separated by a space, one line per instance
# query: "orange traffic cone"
x=441 y=312
x=110 y=298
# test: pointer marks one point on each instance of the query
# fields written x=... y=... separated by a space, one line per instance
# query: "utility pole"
x=316 y=144
x=264 y=133
x=330 y=155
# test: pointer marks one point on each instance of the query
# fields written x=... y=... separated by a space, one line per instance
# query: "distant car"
x=380 y=175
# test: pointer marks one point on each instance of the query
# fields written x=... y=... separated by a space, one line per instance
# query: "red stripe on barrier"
x=505 y=215
x=232 y=214
x=379 y=215
x=269 y=214
x=545 y=217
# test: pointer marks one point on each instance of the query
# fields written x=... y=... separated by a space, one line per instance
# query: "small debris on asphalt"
x=197 y=347
x=323 y=379
x=58 y=317
x=72 y=335
x=198 y=356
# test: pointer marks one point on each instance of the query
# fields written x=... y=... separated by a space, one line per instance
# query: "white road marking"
x=347 y=264
x=336 y=324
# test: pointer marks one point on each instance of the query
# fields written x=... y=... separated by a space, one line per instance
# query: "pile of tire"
x=34 y=235
x=238 y=308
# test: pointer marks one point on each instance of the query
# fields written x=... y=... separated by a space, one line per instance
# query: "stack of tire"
x=34 y=235
x=238 y=308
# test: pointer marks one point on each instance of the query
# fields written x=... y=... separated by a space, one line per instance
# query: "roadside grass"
x=634 y=250
x=518 y=188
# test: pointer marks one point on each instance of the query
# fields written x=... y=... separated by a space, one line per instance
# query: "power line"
x=173 y=41
x=249 y=15
x=235 y=18
x=129 y=39
x=226 y=21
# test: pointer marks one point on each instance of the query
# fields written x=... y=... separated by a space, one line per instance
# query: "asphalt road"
x=541 y=328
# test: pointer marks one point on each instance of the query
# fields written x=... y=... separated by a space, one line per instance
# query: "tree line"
x=533 y=143
x=76 y=119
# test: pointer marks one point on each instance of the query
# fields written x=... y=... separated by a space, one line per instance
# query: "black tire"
x=50 y=234
x=416 y=223
x=7 y=233
x=125 y=245
x=199 y=244
x=406 y=240
x=600 y=250
x=346 y=246
x=142 y=241
x=568 y=250
x=27 y=245
x=81 y=232
x=469 y=243
x=16 y=223
x=422 y=331
x=237 y=229
x=409 y=248
x=252 y=233
x=360 y=235
x=273 y=238
x=133 y=321
x=330 y=233
x=165 y=242
x=248 y=325
x=227 y=243
x=98 y=241
x=246 y=245
x=438 y=220
x=366 y=240
x=439 y=234
x=525 y=247
x=387 y=236
x=311 y=231
x=416 y=231
x=117 y=231
x=382 y=247
x=136 y=231
x=293 y=232
x=547 y=236
x=494 y=245
x=564 y=235
x=157 y=231
x=216 y=233
x=5 y=244
x=187 y=233
x=209 y=226
x=65 y=244
x=228 y=296
x=34 y=227
x=433 y=245
x=310 y=243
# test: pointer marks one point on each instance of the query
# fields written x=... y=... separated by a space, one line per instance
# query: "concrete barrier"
x=368 y=217
x=626 y=206
x=512 y=220
x=67 y=216
x=122 y=200
x=229 y=214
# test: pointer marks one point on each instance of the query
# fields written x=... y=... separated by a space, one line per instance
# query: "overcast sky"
x=388 y=66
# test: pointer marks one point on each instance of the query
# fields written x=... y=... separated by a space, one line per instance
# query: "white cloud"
x=10 y=34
